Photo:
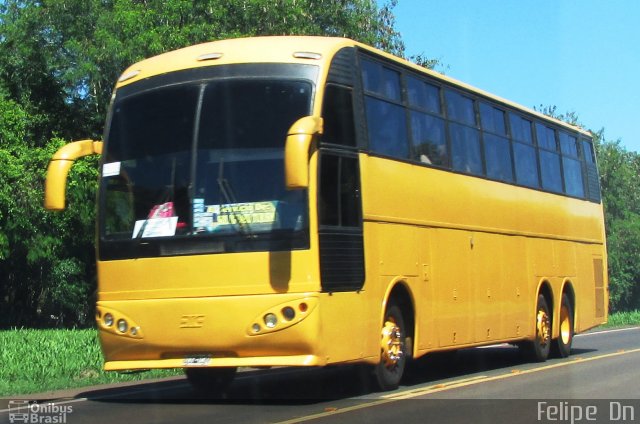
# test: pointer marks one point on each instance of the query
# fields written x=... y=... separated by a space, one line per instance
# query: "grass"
x=33 y=361
x=621 y=319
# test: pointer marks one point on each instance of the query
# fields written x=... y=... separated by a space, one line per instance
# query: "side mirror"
x=296 y=151
x=56 y=183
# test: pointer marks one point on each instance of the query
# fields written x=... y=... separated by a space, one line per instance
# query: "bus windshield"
x=203 y=160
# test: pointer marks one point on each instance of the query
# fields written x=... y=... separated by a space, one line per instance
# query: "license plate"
x=196 y=361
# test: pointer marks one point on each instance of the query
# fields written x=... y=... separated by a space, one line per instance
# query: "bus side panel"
x=348 y=327
x=452 y=293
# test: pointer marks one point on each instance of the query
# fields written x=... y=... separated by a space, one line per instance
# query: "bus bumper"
x=260 y=330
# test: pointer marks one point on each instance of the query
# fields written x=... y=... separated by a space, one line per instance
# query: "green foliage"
x=43 y=254
x=69 y=54
x=620 y=180
x=60 y=60
x=27 y=370
x=622 y=319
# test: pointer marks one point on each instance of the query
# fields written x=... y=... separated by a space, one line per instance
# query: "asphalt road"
x=599 y=382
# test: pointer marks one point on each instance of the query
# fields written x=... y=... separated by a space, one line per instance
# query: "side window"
x=497 y=154
x=337 y=112
x=429 y=139
x=568 y=144
x=520 y=129
x=339 y=191
x=526 y=163
x=380 y=80
x=546 y=137
x=465 y=149
x=571 y=166
x=587 y=151
x=387 y=128
x=386 y=117
x=550 y=171
x=422 y=95
x=573 y=177
x=492 y=119
x=460 y=108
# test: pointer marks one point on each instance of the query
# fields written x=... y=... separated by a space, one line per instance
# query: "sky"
x=579 y=55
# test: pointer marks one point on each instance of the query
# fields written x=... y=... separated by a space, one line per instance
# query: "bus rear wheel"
x=562 y=345
x=210 y=381
x=388 y=372
x=538 y=349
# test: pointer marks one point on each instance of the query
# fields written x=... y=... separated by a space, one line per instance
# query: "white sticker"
x=111 y=169
x=156 y=227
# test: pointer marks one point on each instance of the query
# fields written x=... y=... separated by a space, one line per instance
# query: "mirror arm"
x=58 y=170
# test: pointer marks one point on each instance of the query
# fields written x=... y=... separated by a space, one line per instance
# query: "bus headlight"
x=280 y=317
x=115 y=322
x=270 y=320
x=122 y=326
x=288 y=313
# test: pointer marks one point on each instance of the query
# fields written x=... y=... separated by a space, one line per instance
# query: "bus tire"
x=393 y=358
x=538 y=349
x=562 y=345
x=210 y=381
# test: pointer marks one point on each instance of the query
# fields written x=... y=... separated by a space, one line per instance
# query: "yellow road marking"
x=413 y=393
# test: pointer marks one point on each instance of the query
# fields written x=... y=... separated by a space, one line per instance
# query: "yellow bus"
x=306 y=201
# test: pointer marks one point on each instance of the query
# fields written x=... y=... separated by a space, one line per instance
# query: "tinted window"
x=329 y=202
x=546 y=137
x=526 y=165
x=587 y=151
x=423 y=95
x=568 y=144
x=573 y=177
x=520 y=128
x=429 y=141
x=337 y=112
x=199 y=175
x=339 y=191
x=460 y=108
x=380 y=80
x=492 y=119
x=387 y=128
x=497 y=155
x=465 y=149
x=550 y=171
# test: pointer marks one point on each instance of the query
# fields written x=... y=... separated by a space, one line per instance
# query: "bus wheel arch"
x=396 y=337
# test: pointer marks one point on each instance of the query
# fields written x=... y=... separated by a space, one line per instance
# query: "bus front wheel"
x=210 y=381
x=393 y=356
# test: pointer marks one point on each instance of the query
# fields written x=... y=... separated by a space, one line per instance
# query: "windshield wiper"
x=229 y=196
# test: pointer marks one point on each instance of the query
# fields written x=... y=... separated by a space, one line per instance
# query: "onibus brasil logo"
x=24 y=411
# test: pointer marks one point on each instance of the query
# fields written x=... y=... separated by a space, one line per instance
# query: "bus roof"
x=289 y=49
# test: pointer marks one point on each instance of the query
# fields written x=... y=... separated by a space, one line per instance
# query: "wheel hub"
x=565 y=325
x=543 y=327
x=391 y=344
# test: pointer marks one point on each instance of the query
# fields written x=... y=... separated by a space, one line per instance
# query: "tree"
x=60 y=60
x=620 y=181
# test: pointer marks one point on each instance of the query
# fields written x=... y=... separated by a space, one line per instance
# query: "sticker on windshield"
x=155 y=227
x=210 y=217
x=247 y=213
x=111 y=169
